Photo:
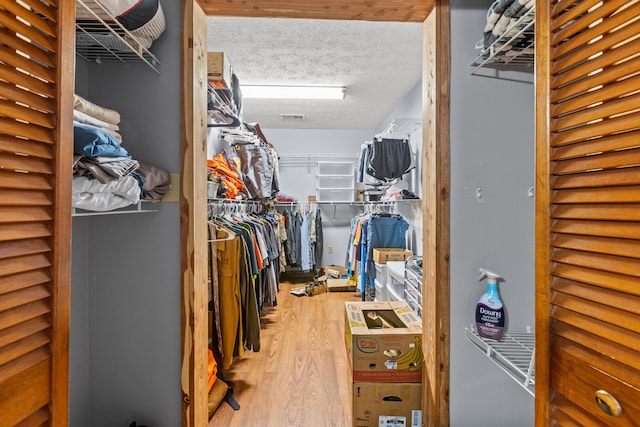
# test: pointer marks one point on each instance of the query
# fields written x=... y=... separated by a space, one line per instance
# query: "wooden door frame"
x=543 y=214
x=193 y=215
x=435 y=205
x=62 y=222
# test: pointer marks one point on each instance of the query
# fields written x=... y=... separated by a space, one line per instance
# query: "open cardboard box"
x=376 y=334
x=337 y=279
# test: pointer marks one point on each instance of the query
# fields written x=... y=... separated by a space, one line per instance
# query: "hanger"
x=229 y=235
x=239 y=135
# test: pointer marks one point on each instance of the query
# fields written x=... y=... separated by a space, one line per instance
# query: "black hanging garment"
x=389 y=158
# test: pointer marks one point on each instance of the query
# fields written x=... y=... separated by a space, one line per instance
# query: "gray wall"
x=125 y=332
x=79 y=363
x=299 y=180
x=492 y=148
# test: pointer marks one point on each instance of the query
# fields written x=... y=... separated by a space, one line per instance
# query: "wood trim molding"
x=436 y=183
x=363 y=10
x=61 y=256
x=543 y=224
x=435 y=207
x=193 y=215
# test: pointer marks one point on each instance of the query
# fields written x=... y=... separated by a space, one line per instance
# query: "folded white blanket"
x=90 y=120
x=101 y=113
x=91 y=195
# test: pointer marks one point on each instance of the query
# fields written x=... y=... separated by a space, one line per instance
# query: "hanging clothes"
x=304 y=237
x=232 y=185
x=244 y=266
x=305 y=243
x=253 y=163
x=369 y=231
x=389 y=158
x=228 y=304
x=318 y=247
x=384 y=160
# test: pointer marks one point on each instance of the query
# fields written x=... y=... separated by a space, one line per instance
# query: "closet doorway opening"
x=435 y=58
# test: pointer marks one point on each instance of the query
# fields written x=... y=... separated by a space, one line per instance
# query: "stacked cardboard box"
x=382 y=255
x=219 y=71
x=384 y=348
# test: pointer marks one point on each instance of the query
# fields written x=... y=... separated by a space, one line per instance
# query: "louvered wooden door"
x=36 y=141
x=588 y=213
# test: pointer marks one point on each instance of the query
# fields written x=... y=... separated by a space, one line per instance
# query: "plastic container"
x=489 y=309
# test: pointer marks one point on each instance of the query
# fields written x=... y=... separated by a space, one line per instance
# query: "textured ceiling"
x=379 y=63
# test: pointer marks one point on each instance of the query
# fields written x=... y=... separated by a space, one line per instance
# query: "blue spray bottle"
x=489 y=310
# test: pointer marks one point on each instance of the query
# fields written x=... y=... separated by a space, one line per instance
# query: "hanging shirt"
x=305 y=242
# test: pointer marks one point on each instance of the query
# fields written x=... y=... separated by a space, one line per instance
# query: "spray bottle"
x=489 y=310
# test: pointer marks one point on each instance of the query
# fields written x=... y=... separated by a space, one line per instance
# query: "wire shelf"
x=140 y=207
x=514 y=354
x=501 y=51
x=105 y=39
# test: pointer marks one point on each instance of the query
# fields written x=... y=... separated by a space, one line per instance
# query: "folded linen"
x=495 y=12
x=96 y=111
x=504 y=21
x=85 y=118
x=113 y=133
x=156 y=181
x=92 y=195
x=92 y=141
x=104 y=169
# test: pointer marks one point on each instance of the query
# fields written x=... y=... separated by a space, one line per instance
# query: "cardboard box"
x=219 y=70
x=377 y=334
x=382 y=255
x=388 y=404
x=337 y=279
x=341 y=285
x=311 y=198
x=335 y=271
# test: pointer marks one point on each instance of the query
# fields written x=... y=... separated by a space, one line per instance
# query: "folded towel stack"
x=105 y=175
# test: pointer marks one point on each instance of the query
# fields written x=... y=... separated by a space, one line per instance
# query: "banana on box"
x=412 y=359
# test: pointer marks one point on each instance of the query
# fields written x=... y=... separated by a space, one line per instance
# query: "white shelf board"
x=140 y=207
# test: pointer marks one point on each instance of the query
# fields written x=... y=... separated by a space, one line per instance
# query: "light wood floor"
x=300 y=376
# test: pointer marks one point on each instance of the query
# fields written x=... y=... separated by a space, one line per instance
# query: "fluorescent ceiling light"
x=292 y=92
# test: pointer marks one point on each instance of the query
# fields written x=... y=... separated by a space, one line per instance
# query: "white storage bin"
x=335 y=168
x=381 y=272
x=335 y=182
x=395 y=280
x=381 y=290
x=335 y=195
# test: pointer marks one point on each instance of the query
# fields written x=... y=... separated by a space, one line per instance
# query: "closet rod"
x=348 y=156
x=213 y=200
x=245 y=206
x=373 y=203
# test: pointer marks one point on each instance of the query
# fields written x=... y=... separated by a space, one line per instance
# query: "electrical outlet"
x=330 y=249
